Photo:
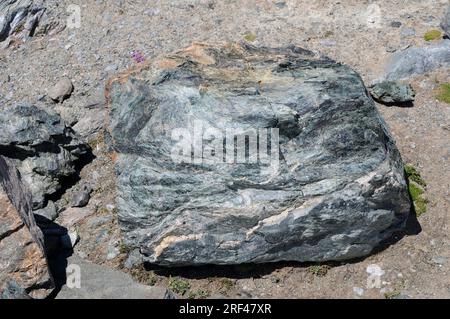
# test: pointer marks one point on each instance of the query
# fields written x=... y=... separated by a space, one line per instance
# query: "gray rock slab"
x=418 y=60
x=99 y=282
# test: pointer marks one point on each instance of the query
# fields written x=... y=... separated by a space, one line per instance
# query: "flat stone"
x=392 y=92
x=100 y=282
x=415 y=60
x=90 y=123
x=74 y=215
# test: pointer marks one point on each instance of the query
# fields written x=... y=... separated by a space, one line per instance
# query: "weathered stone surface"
x=99 y=282
x=19 y=16
x=81 y=198
x=445 y=24
x=49 y=213
x=392 y=92
x=23 y=265
x=91 y=122
x=416 y=60
x=42 y=147
x=134 y=259
x=61 y=90
x=338 y=191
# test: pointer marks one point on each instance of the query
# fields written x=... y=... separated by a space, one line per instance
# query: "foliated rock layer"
x=333 y=186
x=24 y=271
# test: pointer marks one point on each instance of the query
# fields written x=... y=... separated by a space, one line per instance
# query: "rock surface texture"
x=445 y=24
x=19 y=17
x=99 y=282
x=415 y=60
x=337 y=191
x=42 y=147
x=392 y=92
x=61 y=90
x=23 y=265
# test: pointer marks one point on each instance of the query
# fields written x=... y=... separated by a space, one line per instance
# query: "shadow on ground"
x=55 y=251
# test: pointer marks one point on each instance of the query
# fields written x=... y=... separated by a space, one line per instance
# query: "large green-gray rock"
x=337 y=191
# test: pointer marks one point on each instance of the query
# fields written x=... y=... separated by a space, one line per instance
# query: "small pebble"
x=81 y=199
x=358 y=291
x=62 y=90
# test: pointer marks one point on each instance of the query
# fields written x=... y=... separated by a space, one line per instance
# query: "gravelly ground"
x=416 y=266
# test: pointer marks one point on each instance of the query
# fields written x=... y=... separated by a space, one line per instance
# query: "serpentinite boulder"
x=229 y=154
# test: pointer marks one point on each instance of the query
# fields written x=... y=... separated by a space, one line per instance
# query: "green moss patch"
x=199 y=294
x=416 y=187
x=396 y=292
x=415 y=191
x=414 y=175
x=141 y=275
x=319 y=270
x=178 y=285
x=444 y=93
x=392 y=294
x=124 y=249
x=250 y=37
x=225 y=286
x=432 y=35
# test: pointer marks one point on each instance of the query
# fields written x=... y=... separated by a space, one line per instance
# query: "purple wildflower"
x=137 y=57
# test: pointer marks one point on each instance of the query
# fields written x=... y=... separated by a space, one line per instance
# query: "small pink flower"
x=137 y=56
